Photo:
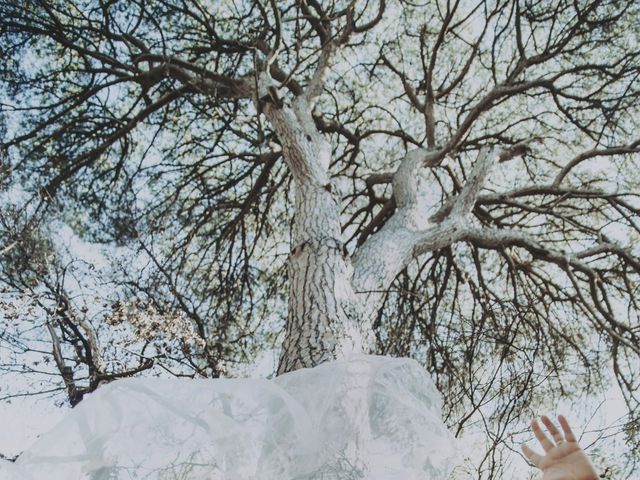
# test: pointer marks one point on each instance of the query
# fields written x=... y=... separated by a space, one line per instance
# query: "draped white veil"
x=366 y=417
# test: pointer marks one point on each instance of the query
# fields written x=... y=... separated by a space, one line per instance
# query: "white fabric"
x=368 y=417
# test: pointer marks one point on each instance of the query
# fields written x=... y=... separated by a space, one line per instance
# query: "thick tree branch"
x=409 y=233
x=66 y=372
x=200 y=79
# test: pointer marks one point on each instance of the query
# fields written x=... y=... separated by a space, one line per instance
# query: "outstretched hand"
x=563 y=458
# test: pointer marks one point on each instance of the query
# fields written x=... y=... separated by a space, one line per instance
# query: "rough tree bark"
x=325 y=318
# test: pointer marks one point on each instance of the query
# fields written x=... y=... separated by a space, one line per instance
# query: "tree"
x=453 y=181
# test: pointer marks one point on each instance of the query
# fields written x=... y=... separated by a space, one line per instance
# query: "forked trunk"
x=333 y=297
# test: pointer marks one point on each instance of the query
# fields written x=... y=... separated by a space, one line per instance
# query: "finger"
x=542 y=438
x=553 y=430
x=568 y=434
x=532 y=456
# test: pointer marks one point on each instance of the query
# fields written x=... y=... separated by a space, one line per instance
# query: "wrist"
x=563 y=476
x=569 y=476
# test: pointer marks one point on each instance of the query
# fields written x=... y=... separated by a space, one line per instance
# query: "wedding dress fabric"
x=366 y=417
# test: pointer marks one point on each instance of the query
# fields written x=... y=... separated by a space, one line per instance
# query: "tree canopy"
x=140 y=126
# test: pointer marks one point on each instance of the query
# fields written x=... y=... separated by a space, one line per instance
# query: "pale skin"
x=563 y=459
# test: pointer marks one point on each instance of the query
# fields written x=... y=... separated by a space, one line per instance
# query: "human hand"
x=564 y=459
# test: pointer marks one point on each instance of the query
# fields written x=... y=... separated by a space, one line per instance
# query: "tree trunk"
x=324 y=319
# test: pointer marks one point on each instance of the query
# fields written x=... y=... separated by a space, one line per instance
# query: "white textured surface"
x=367 y=417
